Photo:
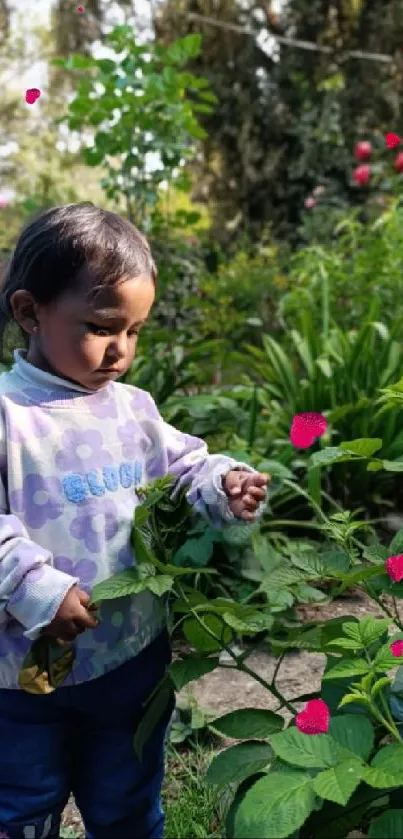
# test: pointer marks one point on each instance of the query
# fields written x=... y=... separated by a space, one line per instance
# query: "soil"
x=223 y=691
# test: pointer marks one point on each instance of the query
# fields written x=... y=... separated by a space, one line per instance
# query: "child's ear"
x=25 y=310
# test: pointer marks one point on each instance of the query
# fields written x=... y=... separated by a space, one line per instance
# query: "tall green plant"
x=142 y=107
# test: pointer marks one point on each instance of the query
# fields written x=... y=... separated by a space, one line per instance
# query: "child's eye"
x=97 y=330
x=102 y=331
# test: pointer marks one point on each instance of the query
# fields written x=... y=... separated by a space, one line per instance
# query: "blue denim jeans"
x=79 y=739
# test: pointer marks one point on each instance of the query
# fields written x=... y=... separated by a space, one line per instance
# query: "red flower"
x=310 y=202
x=306 y=428
x=363 y=150
x=80 y=9
x=397 y=648
x=394 y=567
x=399 y=162
x=32 y=95
x=362 y=174
x=392 y=140
x=314 y=719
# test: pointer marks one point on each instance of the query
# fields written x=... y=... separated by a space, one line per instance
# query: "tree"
x=287 y=121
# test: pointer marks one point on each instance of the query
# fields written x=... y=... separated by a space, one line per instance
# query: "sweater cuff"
x=36 y=600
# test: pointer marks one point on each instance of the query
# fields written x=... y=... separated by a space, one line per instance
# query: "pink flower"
x=362 y=174
x=392 y=140
x=397 y=648
x=314 y=719
x=32 y=95
x=363 y=150
x=310 y=202
x=306 y=428
x=399 y=162
x=3 y=202
x=80 y=9
x=394 y=567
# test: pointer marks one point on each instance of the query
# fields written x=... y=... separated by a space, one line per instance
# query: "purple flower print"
x=39 y=500
x=156 y=465
x=134 y=441
x=34 y=424
x=82 y=451
x=115 y=624
x=95 y=523
x=143 y=403
x=85 y=569
x=102 y=404
x=125 y=558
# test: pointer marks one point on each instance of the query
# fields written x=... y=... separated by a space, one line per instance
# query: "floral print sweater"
x=70 y=462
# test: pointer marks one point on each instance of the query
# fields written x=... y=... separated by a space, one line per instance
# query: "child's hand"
x=72 y=617
x=246 y=490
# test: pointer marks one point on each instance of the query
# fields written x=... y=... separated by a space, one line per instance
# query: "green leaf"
x=159 y=585
x=197 y=552
x=354 y=733
x=388 y=825
x=348 y=667
x=188 y=669
x=275 y=806
x=332 y=454
x=386 y=768
x=299 y=749
x=248 y=723
x=201 y=639
x=379 y=685
x=79 y=62
x=153 y=714
x=385 y=660
x=119 y=585
x=396 y=545
x=367 y=631
x=365 y=446
x=392 y=465
x=338 y=783
x=238 y=762
x=249 y=624
x=350 y=698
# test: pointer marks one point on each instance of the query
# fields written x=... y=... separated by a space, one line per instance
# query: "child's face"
x=79 y=341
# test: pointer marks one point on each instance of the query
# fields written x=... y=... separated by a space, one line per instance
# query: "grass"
x=194 y=809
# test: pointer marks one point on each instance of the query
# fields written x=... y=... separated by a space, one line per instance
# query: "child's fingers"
x=247 y=515
x=257 y=492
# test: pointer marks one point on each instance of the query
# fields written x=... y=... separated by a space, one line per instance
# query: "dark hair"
x=58 y=243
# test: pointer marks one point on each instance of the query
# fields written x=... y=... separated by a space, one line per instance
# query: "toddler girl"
x=74 y=445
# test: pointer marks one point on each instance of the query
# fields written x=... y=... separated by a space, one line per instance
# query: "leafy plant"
x=140 y=103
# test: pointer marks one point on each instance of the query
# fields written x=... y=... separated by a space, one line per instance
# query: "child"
x=74 y=445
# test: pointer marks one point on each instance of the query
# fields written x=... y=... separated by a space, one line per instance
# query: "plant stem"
x=240 y=666
x=384 y=608
x=391 y=728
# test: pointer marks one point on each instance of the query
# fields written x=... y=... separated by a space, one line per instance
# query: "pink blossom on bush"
x=397 y=648
x=306 y=428
x=315 y=718
x=392 y=140
x=399 y=162
x=394 y=568
x=362 y=174
x=310 y=202
x=363 y=150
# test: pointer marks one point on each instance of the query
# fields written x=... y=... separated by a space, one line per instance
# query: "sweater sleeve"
x=31 y=590
x=191 y=464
